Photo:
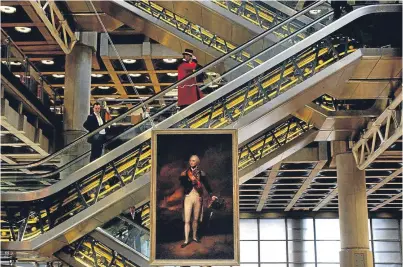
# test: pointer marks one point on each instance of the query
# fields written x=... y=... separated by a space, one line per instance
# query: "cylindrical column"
x=353 y=213
x=77 y=94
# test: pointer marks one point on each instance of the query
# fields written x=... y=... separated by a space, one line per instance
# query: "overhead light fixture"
x=8 y=9
x=58 y=75
x=139 y=86
x=18 y=76
x=172 y=74
x=135 y=75
x=169 y=60
x=23 y=29
x=213 y=86
x=95 y=75
x=15 y=63
x=129 y=61
x=104 y=87
x=47 y=62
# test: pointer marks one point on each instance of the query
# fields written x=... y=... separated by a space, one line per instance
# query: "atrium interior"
x=315 y=97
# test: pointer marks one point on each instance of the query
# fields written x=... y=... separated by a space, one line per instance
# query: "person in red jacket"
x=188 y=91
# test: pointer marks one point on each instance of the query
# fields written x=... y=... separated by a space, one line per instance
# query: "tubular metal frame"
x=383 y=132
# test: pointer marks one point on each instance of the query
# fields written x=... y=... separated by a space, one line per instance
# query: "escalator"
x=236 y=55
x=238 y=21
x=207 y=35
x=93 y=195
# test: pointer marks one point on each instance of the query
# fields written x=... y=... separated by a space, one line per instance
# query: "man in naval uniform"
x=193 y=180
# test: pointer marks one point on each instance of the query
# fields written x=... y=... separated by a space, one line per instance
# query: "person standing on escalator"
x=188 y=91
x=338 y=7
x=97 y=141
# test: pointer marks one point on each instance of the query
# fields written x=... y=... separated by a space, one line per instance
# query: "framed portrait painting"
x=194 y=198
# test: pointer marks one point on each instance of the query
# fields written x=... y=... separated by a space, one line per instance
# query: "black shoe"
x=196 y=240
x=184 y=244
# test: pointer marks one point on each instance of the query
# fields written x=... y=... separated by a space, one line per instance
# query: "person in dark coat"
x=188 y=91
x=97 y=141
x=338 y=7
x=193 y=180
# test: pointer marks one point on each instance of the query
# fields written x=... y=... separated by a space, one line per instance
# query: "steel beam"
x=384 y=181
x=267 y=187
x=306 y=184
x=57 y=24
x=387 y=201
x=329 y=197
x=377 y=138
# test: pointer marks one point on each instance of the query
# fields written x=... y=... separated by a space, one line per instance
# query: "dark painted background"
x=173 y=153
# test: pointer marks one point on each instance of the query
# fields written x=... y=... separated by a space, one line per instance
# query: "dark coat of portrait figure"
x=194 y=197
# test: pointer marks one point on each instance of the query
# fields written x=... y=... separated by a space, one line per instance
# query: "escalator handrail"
x=317 y=36
x=35 y=176
x=158 y=95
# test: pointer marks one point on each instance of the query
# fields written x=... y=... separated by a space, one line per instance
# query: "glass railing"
x=130 y=234
x=169 y=108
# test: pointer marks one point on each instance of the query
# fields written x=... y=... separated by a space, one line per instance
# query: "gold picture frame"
x=157 y=260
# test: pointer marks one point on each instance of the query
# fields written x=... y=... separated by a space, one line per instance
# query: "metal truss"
x=397 y=198
x=384 y=131
x=90 y=252
x=56 y=24
x=259 y=16
x=193 y=30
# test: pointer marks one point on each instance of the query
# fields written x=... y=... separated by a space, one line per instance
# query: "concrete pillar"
x=77 y=95
x=353 y=213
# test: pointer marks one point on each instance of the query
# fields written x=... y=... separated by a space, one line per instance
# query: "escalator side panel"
x=328 y=80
